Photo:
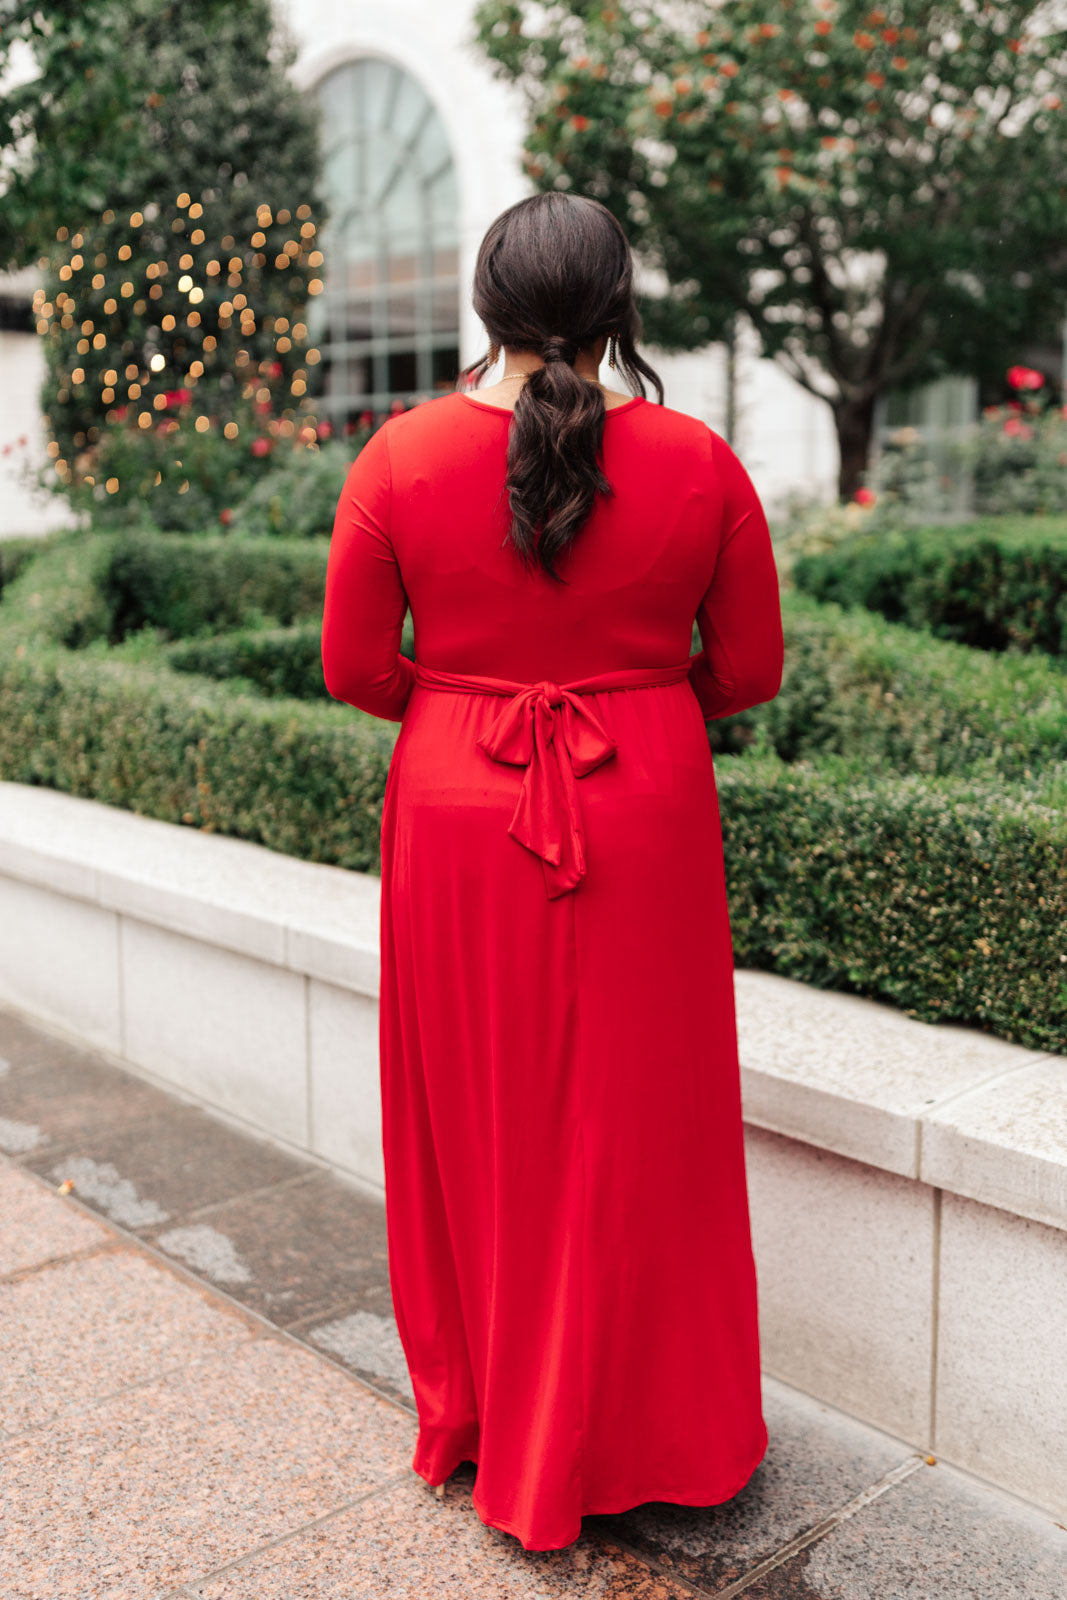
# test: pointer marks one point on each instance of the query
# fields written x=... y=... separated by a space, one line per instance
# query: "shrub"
x=946 y=896
x=276 y=661
x=994 y=585
x=297 y=498
x=1010 y=463
x=883 y=697
x=186 y=585
x=14 y=555
x=308 y=780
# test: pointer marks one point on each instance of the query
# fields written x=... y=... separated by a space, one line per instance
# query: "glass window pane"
x=391 y=258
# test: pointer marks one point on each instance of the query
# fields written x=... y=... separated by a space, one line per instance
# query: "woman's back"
x=423 y=521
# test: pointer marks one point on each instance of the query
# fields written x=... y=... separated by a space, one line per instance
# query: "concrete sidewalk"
x=202 y=1394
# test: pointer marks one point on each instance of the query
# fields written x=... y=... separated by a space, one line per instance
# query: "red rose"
x=1025 y=378
x=325 y=430
x=261 y=447
x=226 y=517
x=864 y=497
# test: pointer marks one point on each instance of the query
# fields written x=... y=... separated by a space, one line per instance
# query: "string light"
x=57 y=316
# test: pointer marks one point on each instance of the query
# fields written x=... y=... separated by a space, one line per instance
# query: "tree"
x=70 y=127
x=883 y=192
x=177 y=284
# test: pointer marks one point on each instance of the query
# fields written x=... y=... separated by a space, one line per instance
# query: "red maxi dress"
x=566 y=1200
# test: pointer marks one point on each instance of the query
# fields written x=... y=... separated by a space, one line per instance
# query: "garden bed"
x=895 y=824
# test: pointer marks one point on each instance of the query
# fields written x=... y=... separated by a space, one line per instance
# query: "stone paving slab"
x=408 y=1546
x=94 y=1326
x=817 y=1461
x=142 y=1174
x=52 y=1092
x=38 y=1227
x=166 y=1442
x=295 y=1252
x=143 y=1491
x=934 y=1536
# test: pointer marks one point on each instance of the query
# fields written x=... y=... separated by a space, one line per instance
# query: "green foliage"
x=170 y=476
x=85 y=97
x=912 y=845
x=944 y=896
x=186 y=586
x=881 y=697
x=56 y=597
x=84 y=588
x=275 y=661
x=299 y=495
x=16 y=554
x=995 y=585
x=840 y=175
x=304 y=779
x=184 y=287
x=1015 y=462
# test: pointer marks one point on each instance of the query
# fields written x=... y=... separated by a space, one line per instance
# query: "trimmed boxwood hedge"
x=86 y=587
x=946 y=896
x=186 y=585
x=915 y=848
x=885 y=696
x=854 y=685
x=304 y=779
x=995 y=584
x=276 y=661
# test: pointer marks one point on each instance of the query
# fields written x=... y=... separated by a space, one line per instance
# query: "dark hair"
x=554 y=274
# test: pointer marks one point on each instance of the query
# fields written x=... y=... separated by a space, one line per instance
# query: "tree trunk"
x=854 y=420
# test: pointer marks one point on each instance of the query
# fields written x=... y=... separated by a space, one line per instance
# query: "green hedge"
x=995 y=584
x=304 y=779
x=888 y=698
x=276 y=661
x=854 y=685
x=85 y=587
x=914 y=850
x=188 y=584
x=14 y=555
x=946 y=896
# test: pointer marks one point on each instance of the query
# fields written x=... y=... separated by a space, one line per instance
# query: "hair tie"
x=558 y=348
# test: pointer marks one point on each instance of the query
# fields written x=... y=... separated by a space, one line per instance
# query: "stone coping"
x=947 y=1105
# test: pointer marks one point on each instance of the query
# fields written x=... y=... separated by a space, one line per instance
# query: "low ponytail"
x=554 y=275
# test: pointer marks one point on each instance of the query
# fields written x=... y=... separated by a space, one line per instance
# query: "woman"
x=566 y=1199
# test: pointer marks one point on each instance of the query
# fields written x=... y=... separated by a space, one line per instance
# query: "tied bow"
x=557 y=738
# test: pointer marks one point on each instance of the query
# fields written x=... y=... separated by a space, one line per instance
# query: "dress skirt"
x=569 y=1242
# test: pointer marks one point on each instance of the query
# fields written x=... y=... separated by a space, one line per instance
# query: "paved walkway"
x=202 y=1394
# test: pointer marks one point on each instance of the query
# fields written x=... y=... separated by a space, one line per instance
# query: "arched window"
x=387 y=321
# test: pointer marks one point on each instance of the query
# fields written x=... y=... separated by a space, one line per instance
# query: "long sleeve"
x=740 y=615
x=365 y=602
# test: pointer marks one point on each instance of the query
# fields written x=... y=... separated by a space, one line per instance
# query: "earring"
x=612 y=346
x=494 y=353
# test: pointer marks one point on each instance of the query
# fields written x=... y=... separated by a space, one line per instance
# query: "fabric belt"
x=546 y=728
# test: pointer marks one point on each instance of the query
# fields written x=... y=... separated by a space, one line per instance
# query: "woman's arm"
x=365 y=603
x=740 y=616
